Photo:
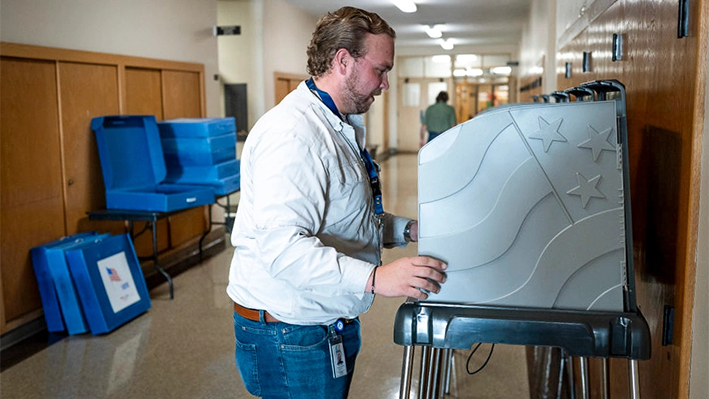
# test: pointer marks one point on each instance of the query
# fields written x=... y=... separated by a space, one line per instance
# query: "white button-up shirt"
x=306 y=236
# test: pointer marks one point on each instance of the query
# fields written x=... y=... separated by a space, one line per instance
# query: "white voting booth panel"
x=529 y=204
x=525 y=203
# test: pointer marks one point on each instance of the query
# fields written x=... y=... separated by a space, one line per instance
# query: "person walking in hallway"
x=310 y=226
x=438 y=118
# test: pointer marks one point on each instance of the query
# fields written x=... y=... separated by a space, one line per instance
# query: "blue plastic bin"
x=197 y=127
x=133 y=167
x=199 y=151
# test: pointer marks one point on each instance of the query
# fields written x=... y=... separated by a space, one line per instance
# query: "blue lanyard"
x=368 y=162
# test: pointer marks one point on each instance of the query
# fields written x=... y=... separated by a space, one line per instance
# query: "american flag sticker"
x=118 y=281
x=113 y=274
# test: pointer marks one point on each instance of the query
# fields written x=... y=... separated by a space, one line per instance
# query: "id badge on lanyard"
x=338 y=361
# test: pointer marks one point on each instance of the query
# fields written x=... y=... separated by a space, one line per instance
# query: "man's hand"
x=408 y=276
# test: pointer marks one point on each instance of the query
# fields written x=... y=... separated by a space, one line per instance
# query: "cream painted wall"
x=538 y=45
x=274 y=38
x=179 y=30
x=699 y=369
x=241 y=56
x=287 y=31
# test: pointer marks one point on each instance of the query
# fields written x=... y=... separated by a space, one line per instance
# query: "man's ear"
x=342 y=59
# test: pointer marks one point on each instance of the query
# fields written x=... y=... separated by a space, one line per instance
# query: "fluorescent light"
x=434 y=31
x=459 y=73
x=447 y=44
x=406 y=6
x=444 y=58
x=503 y=70
x=474 y=72
x=466 y=58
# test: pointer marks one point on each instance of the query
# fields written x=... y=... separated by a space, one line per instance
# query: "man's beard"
x=356 y=102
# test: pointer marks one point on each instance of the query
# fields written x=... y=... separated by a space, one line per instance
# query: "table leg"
x=155 y=258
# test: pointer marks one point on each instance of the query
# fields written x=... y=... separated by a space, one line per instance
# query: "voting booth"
x=529 y=205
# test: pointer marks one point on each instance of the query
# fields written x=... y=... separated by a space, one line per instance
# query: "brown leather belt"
x=253 y=314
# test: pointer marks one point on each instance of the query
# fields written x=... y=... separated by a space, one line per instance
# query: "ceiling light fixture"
x=442 y=59
x=503 y=70
x=474 y=72
x=447 y=44
x=466 y=58
x=434 y=31
x=459 y=73
x=407 y=6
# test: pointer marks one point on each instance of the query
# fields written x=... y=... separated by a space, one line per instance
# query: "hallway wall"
x=698 y=383
x=178 y=30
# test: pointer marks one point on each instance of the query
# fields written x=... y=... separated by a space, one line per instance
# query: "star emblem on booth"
x=548 y=133
x=586 y=189
x=597 y=142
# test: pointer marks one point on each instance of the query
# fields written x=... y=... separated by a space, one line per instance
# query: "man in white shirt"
x=310 y=227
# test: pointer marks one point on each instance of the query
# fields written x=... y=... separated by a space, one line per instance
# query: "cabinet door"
x=86 y=91
x=181 y=94
x=144 y=92
x=30 y=179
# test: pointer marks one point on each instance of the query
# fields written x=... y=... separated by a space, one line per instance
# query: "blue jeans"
x=432 y=135
x=280 y=360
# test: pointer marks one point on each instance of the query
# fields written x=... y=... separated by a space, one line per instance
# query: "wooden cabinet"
x=50 y=173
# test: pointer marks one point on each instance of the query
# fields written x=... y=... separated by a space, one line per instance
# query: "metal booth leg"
x=605 y=378
x=423 y=379
x=435 y=376
x=634 y=383
x=446 y=376
x=583 y=362
x=406 y=372
x=569 y=362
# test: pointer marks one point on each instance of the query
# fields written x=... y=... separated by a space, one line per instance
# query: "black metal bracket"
x=668 y=325
x=617 y=54
x=683 y=19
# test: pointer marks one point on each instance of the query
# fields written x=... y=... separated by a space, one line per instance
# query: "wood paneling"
x=665 y=81
x=181 y=94
x=31 y=180
x=187 y=225
x=144 y=92
x=86 y=91
x=51 y=174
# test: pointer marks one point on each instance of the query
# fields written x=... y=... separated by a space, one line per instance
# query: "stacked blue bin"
x=201 y=151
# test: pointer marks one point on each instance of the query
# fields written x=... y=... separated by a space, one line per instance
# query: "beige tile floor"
x=183 y=348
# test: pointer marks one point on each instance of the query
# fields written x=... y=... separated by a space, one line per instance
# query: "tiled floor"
x=183 y=348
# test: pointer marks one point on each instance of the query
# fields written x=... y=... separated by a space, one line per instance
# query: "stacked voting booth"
x=529 y=206
x=152 y=170
x=133 y=166
x=201 y=151
x=89 y=282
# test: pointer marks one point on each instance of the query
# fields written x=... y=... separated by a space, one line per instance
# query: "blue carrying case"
x=199 y=151
x=109 y=281
x=196 y=127
x=53 y=297
x=133 y=167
